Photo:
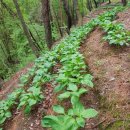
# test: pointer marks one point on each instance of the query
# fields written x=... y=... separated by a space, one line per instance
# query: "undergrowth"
x=70 y=82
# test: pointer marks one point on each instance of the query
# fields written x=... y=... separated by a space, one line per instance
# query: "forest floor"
x=110 y=67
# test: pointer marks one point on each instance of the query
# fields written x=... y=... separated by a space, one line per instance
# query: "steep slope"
x=110 y=65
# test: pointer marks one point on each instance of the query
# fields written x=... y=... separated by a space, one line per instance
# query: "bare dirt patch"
x=110 y=67
x=124 y=18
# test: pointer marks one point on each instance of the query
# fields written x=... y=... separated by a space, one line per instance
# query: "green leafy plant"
x=5 y=110
x=30 y=98
x=69 y=77
x=72 y=120
x=7 y=105
x=116 y=33
x=73 y=93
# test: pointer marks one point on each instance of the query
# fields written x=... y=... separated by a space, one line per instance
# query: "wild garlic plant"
x=116 y=33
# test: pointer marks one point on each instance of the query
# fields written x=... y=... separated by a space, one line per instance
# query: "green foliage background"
x=13 y=43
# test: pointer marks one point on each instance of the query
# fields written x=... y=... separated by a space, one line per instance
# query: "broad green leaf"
x=49 y=121
x=70 y=112
x=32 y=102
x=78 y=108
x=72 y=87
x=2 y=120
x=59 y=88
x=80 y=121
x=69 y=124
x=74 y=100
x=21 y=104
x=89 y=113
x=27 y=109
x=82 y=91
x=64 y=95
x=8 y=114
x=59 y=109
x=87 y=80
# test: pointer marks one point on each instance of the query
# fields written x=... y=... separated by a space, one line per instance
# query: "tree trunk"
x=95 y=2
x=69 y=19
x=25 y=29
x=1 y=82
x=109 y=1
x=124 y=2
x=57 y=20
x=75 y=16
x=89 y=6
x=5 y=38
x=46 y=21
x=11 y=12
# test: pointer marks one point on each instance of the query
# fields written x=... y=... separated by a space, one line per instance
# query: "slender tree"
x=124 y=2
x=109 y=1
x=1 y=82
x=75 y=16
x=57 y=20
x=67 y=11
x=46 y=21
x=14 y=15
x=7 y=8
x=89 y=5
x=5 y=38
x=25 y=28
x=95 y=3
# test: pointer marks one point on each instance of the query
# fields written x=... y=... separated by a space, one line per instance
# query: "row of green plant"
x=31 y=93
x=12 y=101
x=34 y=93
x=7 y=105
x=70 y=77
x=116 y=33
x=42 y=73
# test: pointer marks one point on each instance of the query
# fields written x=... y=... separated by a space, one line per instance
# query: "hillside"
x=82 y=83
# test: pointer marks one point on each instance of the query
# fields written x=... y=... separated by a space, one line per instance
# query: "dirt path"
x=11 y=84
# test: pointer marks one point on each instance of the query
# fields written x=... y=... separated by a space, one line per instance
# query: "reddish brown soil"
x=110 y=66
x=124 y=18
x=92 y=14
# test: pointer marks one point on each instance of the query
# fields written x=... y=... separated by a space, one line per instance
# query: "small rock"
x=30 y=128
x=112 y=79
x=37 y=122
